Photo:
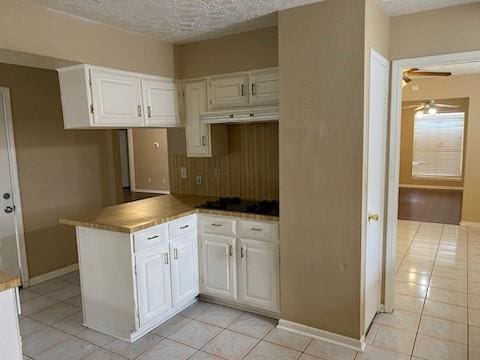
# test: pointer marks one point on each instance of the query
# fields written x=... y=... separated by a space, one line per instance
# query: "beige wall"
x=461 y=86
x=61 y=172
x=447 y=30
x=239 y=52
x=406 y=143
x=321 y=163
x=151 y=164
x=32 y=29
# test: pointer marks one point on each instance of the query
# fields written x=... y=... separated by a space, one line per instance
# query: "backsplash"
x=249 y=169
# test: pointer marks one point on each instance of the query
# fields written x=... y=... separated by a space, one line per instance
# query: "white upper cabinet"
x=160 y=101
x=198 y=134
x=116 y=98
x=229 y=91
x=97 y=97
x=264 y=87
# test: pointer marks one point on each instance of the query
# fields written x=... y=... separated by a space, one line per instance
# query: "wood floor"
x=430 y=205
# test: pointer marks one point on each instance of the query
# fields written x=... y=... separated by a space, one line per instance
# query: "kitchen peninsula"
x=10 y=342
x=145 y=261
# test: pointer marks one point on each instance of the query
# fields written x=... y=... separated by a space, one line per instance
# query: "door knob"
x=9 y=209
x=373 y=217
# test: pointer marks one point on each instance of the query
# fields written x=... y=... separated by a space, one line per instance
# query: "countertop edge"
x=8 y=282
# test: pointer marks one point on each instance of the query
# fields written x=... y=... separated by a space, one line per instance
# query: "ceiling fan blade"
x=412 y=106
x=429 y=73
x=408 y=71
x=406 y=79
x=447 y=106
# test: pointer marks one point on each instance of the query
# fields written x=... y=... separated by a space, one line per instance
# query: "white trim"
x=394 y=159
x=332 y=338
x=131 y=159
x=165 y=192
x=12 y=157
x=438 y=187
x=470 y=223
x=53 y=274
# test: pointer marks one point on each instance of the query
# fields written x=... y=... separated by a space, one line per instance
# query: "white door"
x=226 y=92
x=9 y=246
x=184 y=270
x=218 y=266
x=197 y=134
x=258 y=274
x=160 y=102
x=377 y=136
x=116 y=98
x=153 y=284
x=264 y=87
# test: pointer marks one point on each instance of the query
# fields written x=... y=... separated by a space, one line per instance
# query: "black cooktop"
x=263 y=207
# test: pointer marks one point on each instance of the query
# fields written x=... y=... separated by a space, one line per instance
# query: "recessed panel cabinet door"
x=218 y=276
x=198 y=134
x=226 y=92
x=116 y=98
x=264 y=87
x=258 y=274
x=153 y=284
x=184 y=255
x=160 y=102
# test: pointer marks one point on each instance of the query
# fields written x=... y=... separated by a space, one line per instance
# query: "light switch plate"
x=199 y=180
x=183 y=172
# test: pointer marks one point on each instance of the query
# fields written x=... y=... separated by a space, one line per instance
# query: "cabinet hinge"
x=91 y=108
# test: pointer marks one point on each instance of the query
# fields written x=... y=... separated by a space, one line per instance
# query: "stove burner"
x=264 y=207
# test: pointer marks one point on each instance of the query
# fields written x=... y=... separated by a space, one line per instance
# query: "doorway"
x=13 y=258
x=431 y=238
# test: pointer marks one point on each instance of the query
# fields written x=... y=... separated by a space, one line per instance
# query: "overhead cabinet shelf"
x=96 y=97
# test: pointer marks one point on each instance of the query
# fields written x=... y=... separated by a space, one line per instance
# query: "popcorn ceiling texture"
x=188 y=20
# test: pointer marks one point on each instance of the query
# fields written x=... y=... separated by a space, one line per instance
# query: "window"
x=438 y=145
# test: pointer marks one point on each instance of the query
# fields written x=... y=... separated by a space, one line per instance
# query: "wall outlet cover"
x=199 y=180
x=183 y=172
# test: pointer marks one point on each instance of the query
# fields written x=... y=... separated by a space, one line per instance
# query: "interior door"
x=184 y=255
x=116 y=98
x=377 y=136
x=9 y=254
x=226 y=92
x=218 y=266
x=153 y=283
x=160 y=102
x=264 y=87
x=258 y=274
x=198 y=134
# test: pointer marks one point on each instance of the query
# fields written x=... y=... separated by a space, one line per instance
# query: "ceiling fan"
x=429 y=108
x=409 y=73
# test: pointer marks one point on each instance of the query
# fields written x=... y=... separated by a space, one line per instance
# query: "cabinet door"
x=116 y=98
x=218 y=274
x=198 y=134
x=226 y=92
x=160 y=102
x=258 y=274
x=184 y=269
x=264 y=87
x=153 y=284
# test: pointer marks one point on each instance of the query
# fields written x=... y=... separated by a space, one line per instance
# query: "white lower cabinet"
x=218 y=264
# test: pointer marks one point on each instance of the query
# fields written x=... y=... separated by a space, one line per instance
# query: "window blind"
x=438 y=145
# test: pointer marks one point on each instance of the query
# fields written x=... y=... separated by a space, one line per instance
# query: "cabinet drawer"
x=149 y=238
x=258 y=230
x=218 y=225
x=182 y=226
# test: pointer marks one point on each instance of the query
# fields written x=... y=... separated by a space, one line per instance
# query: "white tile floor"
x=437 y=316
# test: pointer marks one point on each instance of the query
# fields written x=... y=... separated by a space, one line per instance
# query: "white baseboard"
x=52 y=275
x=164 y=192
x=434 y=187
x=469 y=223
x=354 y=344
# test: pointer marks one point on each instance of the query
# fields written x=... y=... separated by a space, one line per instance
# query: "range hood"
x=260 y=114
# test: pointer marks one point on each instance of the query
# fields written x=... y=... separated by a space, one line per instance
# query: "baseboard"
x=433 y=187
x=353 y=344
x=164 y=192
x=52 y=275
x=470 y=223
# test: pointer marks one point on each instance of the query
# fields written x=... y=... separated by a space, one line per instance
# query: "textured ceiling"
x=188 y=20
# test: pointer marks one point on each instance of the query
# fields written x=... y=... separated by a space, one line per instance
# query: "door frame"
x=394 y=155
x=12 y=159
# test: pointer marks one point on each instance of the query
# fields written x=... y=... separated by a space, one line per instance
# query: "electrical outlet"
x=217 y=173
x=199 y=180
x=183 y=172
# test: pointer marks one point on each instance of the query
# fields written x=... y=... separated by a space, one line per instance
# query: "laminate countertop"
x=8 y=282
x=141 y=214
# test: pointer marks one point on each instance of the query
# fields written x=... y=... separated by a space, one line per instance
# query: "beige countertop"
x=8 y=281
x=141 y=214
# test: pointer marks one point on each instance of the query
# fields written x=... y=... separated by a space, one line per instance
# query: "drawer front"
x=217 y=225
x=150 y=238
x=182 y=226
x=258 y=230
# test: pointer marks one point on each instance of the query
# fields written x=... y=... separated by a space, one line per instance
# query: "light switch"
x=199 y=180
x=183 y=172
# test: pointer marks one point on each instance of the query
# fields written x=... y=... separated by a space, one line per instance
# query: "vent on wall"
x=241 y=116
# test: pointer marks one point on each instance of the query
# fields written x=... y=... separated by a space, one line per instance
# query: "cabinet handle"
x=256 y=229
x=184 y=227
x=139 y=110
x=243 y=90
x=175 y=254
x=230 y=250
x=243 y=252
x=153 y=237
x=216 y=225
x=165 y=256
x=203 y=140
x=253 y=89
x=149 y=111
